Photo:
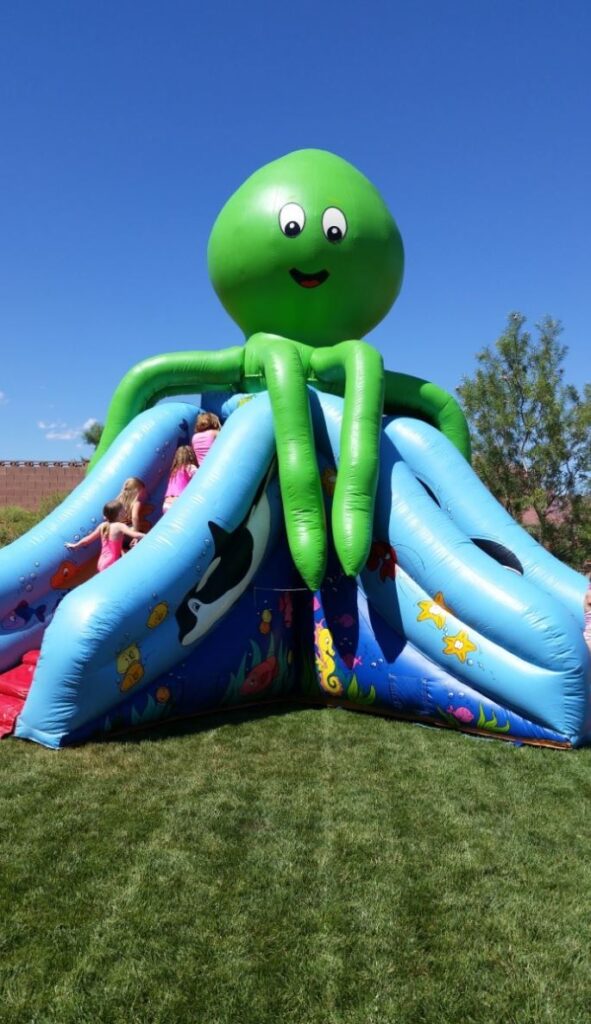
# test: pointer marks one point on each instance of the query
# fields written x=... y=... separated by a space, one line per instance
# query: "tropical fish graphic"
x=24 y=615
x=260 y=677
x=462 y=714
x=70 y=574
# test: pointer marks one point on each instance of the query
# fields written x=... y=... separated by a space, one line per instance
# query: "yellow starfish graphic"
x=460 y=645
x=433 y=610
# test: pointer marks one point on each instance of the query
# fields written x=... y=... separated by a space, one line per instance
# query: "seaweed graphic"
x=153 y=711
x=491 y=723
x=355 y=693
x=308 y=680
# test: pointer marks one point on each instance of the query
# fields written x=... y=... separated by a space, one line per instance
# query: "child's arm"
x=85 y=541
x=130 y=532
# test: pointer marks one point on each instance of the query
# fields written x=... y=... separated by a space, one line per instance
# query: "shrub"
x=14 y=521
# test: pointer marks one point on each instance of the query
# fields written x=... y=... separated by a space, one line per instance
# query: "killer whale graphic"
x=236 y=558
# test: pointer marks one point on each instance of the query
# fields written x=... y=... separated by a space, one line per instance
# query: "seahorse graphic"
x=325 y=660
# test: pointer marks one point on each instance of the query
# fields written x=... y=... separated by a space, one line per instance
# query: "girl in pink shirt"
x=111 y=533
x=207 y=428
x=184 y=466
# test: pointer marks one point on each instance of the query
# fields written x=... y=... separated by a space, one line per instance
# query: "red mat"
x=14 y=687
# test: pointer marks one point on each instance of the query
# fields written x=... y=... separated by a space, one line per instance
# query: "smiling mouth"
x=309 y=280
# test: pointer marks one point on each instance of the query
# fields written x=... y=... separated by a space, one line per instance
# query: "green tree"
x=531 y=435
x=91 y=432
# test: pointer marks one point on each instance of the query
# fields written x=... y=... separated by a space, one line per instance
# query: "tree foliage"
x=91 y=434
x=531 y=435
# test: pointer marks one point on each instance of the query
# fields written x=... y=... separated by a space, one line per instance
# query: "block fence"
x=28 y=483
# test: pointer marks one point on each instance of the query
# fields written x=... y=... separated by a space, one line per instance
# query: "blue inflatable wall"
x=459 y=619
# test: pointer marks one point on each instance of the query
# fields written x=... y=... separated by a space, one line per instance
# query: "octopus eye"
x=292 y=219
x=334 y=224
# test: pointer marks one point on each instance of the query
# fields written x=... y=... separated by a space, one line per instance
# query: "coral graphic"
x=382 y=557
x=265 y=623
x=286 y=608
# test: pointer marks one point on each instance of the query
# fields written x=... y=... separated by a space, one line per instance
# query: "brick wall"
x=27 y=483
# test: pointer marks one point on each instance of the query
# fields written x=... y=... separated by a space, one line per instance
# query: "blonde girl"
x=184 y=466
x=133 y=498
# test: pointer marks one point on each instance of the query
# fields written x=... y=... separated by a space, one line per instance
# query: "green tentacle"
x=416 y=397
x=176 y=373
x=281 y=363
x=284 y=367
x=360 y=369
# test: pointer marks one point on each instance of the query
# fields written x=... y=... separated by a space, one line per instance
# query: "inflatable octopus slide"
x=459 y=618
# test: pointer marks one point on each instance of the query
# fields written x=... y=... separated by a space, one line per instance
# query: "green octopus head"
x=307 y=249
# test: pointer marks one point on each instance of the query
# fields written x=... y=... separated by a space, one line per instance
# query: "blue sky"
x=124 y=127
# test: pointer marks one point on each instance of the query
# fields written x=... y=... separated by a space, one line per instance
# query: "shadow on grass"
x=207 y=721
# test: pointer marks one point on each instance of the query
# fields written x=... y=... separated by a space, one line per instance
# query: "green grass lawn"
x=311 y=866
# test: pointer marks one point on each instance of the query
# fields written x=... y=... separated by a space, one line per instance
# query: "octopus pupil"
x=292 y=228
x=334 y=234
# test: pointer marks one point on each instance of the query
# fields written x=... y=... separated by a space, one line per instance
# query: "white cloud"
x=63 y=435
x=57 y=430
